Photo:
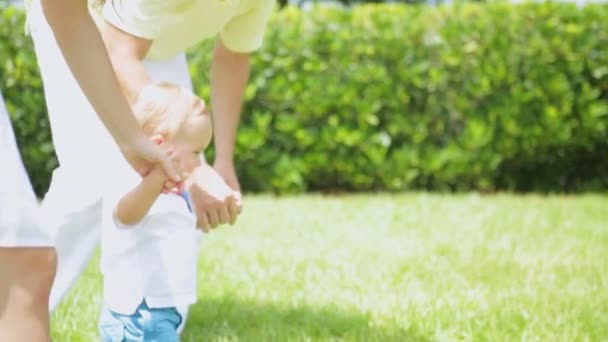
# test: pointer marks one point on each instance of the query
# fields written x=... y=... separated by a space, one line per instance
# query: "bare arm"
x=229 y=75
x=127 y=53
x=133 y=206
x=82 y=47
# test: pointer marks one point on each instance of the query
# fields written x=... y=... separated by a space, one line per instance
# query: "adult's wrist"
x=225 y=159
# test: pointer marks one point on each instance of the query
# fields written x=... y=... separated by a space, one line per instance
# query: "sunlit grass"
x=393 y=268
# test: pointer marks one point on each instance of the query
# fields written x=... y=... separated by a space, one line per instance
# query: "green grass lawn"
x=413 y=267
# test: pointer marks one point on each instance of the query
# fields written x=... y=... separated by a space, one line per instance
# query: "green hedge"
x=24 y=97
x=393 y=97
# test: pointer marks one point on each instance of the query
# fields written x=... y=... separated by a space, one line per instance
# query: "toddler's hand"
x=170 y=186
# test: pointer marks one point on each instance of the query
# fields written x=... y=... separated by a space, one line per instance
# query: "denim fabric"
x=145 y=325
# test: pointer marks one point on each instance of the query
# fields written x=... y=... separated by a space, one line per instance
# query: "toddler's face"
x=194 y=134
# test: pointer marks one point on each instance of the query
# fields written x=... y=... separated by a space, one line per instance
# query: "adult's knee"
x=30 y=271
x=42 y=267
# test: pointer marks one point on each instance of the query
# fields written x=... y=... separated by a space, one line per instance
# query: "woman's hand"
x=142 y=154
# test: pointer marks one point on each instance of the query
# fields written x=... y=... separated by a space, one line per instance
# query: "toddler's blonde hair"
x=162 y=108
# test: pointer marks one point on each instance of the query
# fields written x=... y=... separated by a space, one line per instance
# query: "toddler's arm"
x=134 y=205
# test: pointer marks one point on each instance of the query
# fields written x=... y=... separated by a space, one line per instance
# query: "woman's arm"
x=82 y=47
x=127 y=53
x=229 y=75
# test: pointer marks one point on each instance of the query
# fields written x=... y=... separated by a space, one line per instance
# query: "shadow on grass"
x=233 y=319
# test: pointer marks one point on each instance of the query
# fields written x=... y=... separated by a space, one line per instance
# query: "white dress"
x=19 y=214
